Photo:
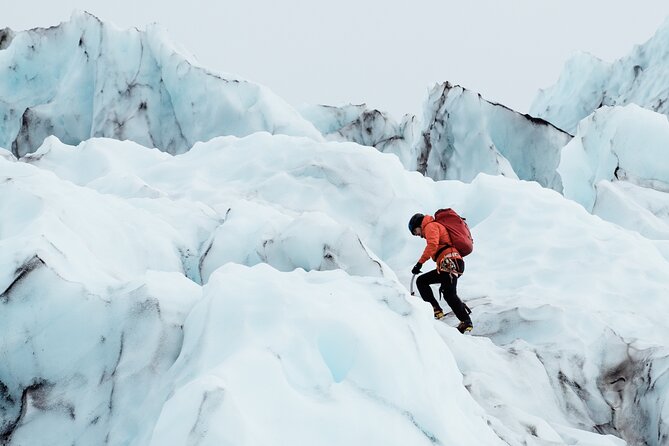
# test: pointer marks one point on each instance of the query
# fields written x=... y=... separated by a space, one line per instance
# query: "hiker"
x=450 y=266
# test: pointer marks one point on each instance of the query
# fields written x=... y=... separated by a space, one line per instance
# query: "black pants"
x=449 y=285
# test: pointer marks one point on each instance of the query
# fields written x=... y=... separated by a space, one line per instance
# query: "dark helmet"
x=415 y=222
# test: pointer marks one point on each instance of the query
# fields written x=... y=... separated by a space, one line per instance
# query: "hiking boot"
x=438 y=314
x=465 y=326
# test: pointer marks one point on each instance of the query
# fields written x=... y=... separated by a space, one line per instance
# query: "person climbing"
x=450 y=265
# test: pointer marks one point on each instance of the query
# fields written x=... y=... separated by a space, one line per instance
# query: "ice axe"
x=411 y=288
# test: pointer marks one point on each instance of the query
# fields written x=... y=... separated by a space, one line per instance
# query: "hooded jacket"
x=436 y=237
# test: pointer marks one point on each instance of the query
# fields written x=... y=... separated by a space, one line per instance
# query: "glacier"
x=102 y=81
x=616 y=165
x=464 y=135
x=250 y=285
x=441 y=144
x=588 y=83
x=173 y=283
x=128 y=84
x=374 y=128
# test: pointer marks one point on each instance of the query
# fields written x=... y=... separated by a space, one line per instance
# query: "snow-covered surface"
x=153 y=299
x=617 y=167
x=253 y=290
x=587 y=83
x=86 y=79
x=464 y=135
x=102 y=81
x=359 y=124
x=459 y=136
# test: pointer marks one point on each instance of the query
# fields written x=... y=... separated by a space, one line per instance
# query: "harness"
x=447 y=261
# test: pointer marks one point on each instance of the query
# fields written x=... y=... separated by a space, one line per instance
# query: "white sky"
x=385 y=53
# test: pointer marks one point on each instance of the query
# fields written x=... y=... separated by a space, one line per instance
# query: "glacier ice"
x=359 y=124
x=124 y=84
x=464 y=135
x=252 y=288
x=459 y=135
x=587 y=83
x=118 y=230
x=136 y=85
x=617 y=167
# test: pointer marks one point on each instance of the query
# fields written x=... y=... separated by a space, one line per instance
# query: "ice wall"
x=587 y=83
x=464 y=135
x=84 y=79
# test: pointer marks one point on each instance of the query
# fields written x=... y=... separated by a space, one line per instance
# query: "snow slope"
x=161 y=305
x=252 y=289
x=587 y=83
x=617 y=167
x=136 y=85
x=84 y=79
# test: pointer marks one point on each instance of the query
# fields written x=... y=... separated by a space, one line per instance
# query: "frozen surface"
x=459 y=136
x=617 y=167
x=252 y=290
x=84 y=79
x=359 y=124
x=587 y=83
x=464 y=135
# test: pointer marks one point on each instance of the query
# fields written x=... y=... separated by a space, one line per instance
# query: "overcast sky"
x=386 y=53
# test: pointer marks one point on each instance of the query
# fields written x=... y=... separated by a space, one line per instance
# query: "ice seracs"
x=136 y=85
x=253 y=290
x=277 y=262
x=587 y=83
x=464 y=135
x=84 y=79
x=617 y=167
x=368 y=127
x=459 y=135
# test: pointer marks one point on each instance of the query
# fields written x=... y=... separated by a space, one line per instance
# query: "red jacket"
x=436 y=237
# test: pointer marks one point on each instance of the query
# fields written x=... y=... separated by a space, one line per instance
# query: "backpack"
x=457 y=228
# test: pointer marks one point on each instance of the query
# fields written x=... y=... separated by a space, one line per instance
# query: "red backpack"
x=457 y=228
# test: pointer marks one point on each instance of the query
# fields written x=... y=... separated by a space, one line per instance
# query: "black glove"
x=416 y=269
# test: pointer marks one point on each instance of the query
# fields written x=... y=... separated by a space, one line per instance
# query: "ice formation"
x=464 y=135
x=84 y=79
x=126 y=267
x=252 y=289
x=588 y=83
x=459 y=136
x=359 y=124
